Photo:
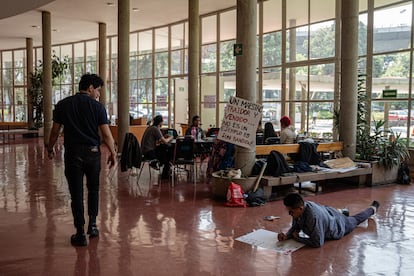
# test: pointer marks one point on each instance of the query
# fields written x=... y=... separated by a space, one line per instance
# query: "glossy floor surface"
x=150 y=228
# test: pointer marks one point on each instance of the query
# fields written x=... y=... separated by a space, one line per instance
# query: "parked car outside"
x=397 y=115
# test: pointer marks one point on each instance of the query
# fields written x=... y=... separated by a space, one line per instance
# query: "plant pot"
x=382 y=175
x=221 y=184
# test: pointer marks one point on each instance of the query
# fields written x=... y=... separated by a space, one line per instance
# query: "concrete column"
x=349 y=79
x=193 y=59
x=123 y=70
x=337 y=95
x=369 y=69
x=292 y=71
x=246 y=70
x=47 y=74
x=102 y=61
x=283 y=73
x=29 y=72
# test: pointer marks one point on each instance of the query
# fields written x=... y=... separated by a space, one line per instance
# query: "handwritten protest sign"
x=239 y=125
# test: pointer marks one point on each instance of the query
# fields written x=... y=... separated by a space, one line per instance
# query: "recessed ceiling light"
x=135 y=9
x=110 y=4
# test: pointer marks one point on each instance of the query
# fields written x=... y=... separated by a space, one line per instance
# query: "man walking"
x=82 y=117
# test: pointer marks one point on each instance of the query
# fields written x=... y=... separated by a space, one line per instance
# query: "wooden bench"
x=13 y=125
x=8 y=129
x=294 y=148
x=358 y=175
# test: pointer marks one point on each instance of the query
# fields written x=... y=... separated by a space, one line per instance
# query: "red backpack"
x=235 y=196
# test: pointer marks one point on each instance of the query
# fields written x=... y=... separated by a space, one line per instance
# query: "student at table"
x=155 y=146
x=195 y=129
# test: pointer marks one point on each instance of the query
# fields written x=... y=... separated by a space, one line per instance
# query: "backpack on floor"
x=404 y=174
x=235 y=196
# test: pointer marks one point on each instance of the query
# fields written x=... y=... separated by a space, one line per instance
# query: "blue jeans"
x=83 y=161
x=352 y=222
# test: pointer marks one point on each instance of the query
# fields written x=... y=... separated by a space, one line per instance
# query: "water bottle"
x=194 y=132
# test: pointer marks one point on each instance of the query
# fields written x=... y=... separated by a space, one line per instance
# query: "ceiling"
x=77 y=20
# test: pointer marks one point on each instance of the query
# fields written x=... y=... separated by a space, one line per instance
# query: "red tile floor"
x=149 y=229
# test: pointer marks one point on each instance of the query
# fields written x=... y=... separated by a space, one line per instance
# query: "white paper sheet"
x=268 y=239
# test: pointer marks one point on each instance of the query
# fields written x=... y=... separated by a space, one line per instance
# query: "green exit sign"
x=389 y=93
x=237 y=49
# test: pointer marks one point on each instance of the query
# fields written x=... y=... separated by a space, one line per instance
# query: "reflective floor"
x=150 y=228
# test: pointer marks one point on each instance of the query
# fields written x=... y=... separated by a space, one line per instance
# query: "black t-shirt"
x=81 y=117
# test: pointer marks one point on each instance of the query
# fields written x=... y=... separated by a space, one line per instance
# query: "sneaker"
x=375 y=205
x=93 y=231
x=78 y=239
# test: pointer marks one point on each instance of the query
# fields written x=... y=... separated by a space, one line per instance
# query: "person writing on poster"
x=319 y=222
x=83 y=117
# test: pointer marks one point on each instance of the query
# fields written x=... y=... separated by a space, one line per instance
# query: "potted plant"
x=384 y=149
x=59 y=70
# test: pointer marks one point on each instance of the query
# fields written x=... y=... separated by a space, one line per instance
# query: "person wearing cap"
x=287 y=133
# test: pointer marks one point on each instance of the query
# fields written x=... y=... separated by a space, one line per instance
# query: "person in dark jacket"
x=83 y=117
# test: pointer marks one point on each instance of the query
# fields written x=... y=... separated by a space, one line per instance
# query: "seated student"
x=270 y=136
x=287 y=133
x=269 y=131
x=221 y=157
x=199 y=133
x=156 y=146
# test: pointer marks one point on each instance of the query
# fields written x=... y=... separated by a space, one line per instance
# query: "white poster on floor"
x=239 y=125
x=268 y=239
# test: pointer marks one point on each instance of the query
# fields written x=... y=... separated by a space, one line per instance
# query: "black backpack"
x=404 y=174
x=276 y=164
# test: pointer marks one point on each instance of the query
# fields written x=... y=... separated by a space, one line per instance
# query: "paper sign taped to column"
x=239 y=125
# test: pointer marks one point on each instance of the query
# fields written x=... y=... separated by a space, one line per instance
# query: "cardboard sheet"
x=268 y=239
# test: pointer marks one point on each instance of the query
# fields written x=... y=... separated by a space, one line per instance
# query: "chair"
x=259 y=138
x=183 y=156
x=272 y=140
x=213 y=132
x=143 y=162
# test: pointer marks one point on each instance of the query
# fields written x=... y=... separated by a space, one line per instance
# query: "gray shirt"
x=150 y=139
x=320 y=223
x=288 y=135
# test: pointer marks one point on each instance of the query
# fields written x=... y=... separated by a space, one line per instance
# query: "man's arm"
x=109 y=142
x=317 y=234
x=54 y=134
x=166 y=140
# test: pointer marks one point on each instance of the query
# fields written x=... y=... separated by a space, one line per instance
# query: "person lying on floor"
x=320 y=223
